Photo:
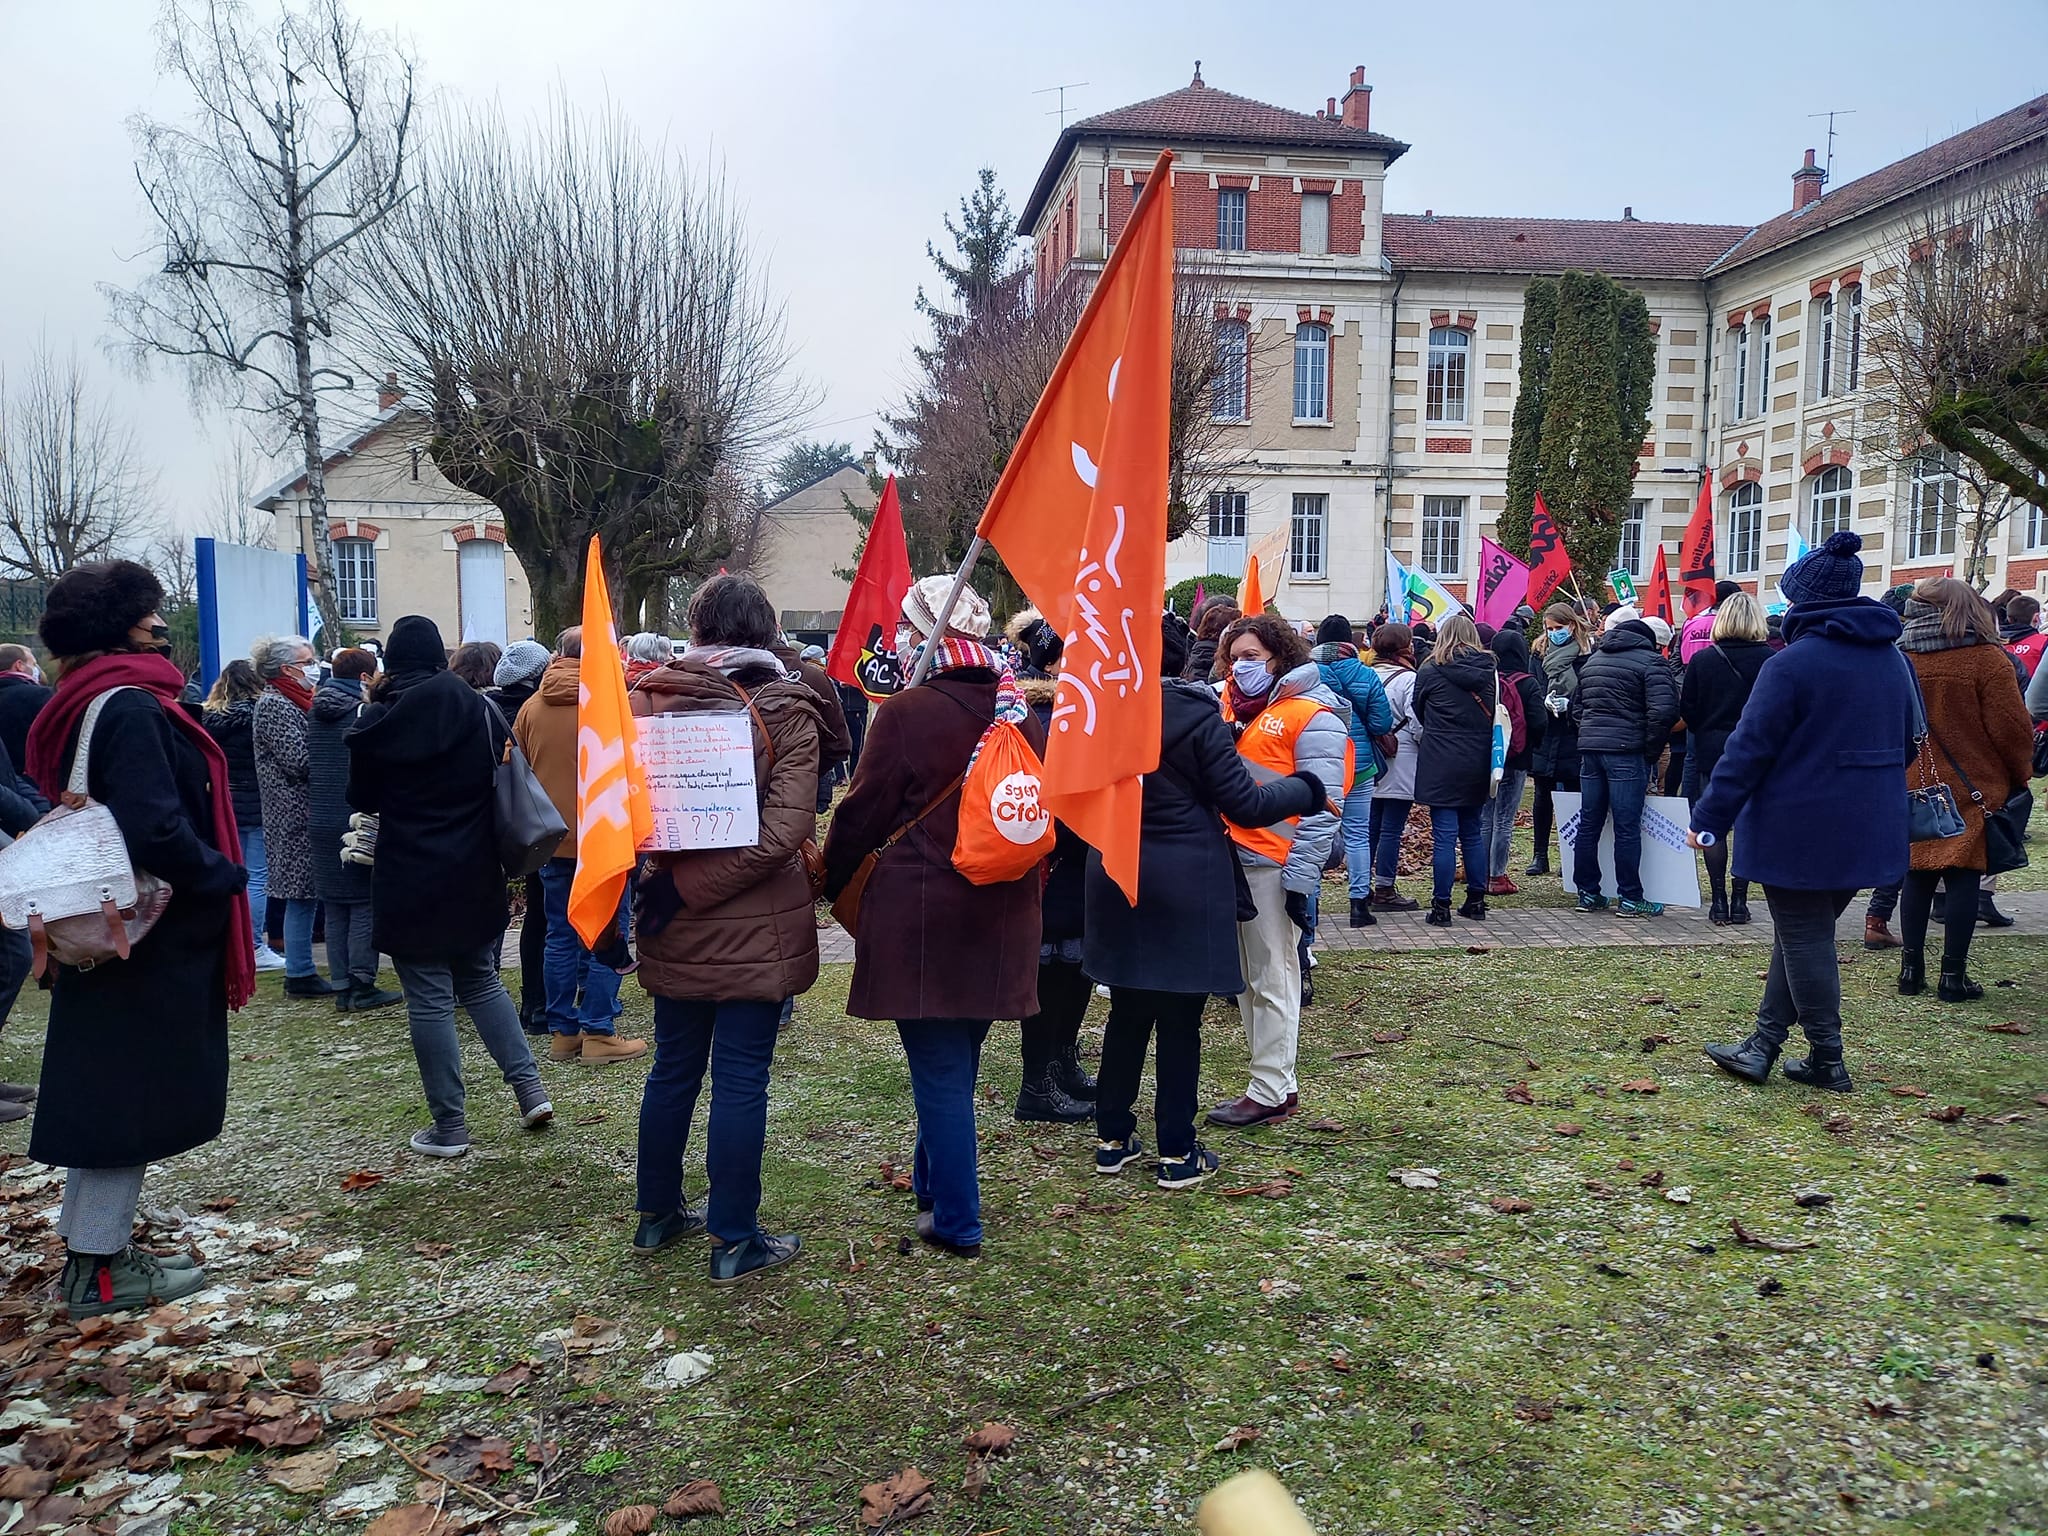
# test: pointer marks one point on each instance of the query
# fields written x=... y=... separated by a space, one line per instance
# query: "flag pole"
x=967 y=564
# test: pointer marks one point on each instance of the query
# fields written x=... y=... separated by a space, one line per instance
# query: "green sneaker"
x=1591 y=902
x=1630 y=908
x=128 y=1280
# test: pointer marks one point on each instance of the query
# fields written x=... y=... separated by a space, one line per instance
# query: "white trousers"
x=1271 y=1002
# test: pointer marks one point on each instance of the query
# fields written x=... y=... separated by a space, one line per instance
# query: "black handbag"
x=529 y=827
x=2005 y=845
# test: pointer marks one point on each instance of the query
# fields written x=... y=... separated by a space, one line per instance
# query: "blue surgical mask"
x=1253 y=678
x=1557 y=636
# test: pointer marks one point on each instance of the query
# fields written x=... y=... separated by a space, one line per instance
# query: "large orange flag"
x=1251 y=596
x=613 y=815
x=1080 y=519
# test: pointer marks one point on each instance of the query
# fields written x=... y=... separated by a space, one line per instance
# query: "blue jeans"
x=567 y=967
x=1452 y=827
x=1611 y=782
x=1358 y=835
x=1389 y=821
x=298 y=938
x=434 y=988
x=737 y=1041
x=945 y=1060
x=1501 y=811
x=257 y=862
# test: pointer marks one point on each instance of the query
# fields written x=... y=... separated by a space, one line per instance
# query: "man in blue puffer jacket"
x=1336 y=657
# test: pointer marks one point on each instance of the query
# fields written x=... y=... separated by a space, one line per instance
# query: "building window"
x=1825 y=344
x=1443 y=535
x=1230 y=219
x=1233 y=370
x=1760 y=365
x=1312 y=373
x=1447 y=389
x=1931 y=514
x=1829 y=505
x=1746 y=529
x=415 y=463
x=1630 y=556
x=1740 y=405
x=2037 y=527
x=1852 y=374
x=1226 y=514
x=1309 y=538
x=355 y=580
x=1315 y=224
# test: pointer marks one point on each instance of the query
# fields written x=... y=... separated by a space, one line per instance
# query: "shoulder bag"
x=69 y=882
x=2005 y=844
x=528 y=825
x=1931 y=810
x=846 y=905
x=808 y=852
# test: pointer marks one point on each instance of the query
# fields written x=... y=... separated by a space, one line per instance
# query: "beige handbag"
x=68 y=880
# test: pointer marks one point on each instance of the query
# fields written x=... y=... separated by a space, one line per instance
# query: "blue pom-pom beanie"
x=1827 y=574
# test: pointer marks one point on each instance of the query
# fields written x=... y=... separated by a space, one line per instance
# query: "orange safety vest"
x=1267 y=747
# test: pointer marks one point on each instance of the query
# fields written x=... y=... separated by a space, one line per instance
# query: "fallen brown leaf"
x=2041 y=1098
x=224 y=1203
x=1271 y=1189
x=433 y=1250
x=411 y=1520
x=2009 y=1027
x=699 y=1497
x=1654 y=1179
x=1641 y=1085
x=25 y=1483
x=1478 y=949
x=1651 y=1042
x=2008 y=1118
x=1238 y=1438
x=1649 y=999
x=273 y=1433
x=1519 y=1094
x=1341 y=1364
x=1751 y=1239
x=1948 y=1114
x=1389 y=1036
x=1906 y=1091
x=306 y=1473
x=991 y=1440
x=1884 y=1407
x=632 y=1520
x=1324 y=1124
x=1602 y=1188
x=903 y=1497
x=509 y=1380
x=362 y=1178
x=1529 y=1411
x=1510 y=1205
x=1569 y=1128
x=1812 y=1199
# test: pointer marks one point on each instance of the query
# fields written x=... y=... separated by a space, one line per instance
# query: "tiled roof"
x=1201 y=114
x=1965 y=150
x=1617 y=247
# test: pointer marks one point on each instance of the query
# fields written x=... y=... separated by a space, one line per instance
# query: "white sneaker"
x=268 y=959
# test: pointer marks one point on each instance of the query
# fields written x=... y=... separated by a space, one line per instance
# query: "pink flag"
x=1503 y=583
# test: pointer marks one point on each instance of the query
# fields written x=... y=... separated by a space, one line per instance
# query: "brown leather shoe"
x=1876 y=935
x=564 y=1047
x=1387 y=899
x=1501 y=885
x=604 y=1048
x=1247 y=1111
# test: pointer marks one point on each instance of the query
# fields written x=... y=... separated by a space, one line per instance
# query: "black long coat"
x=1716 y=685
x=21 y=700
x=1182 y=935
x=1454 y=703
x=423 y=758
x=233 y=728
x=335 y=704
x=1061 y=906
x=135 y=1064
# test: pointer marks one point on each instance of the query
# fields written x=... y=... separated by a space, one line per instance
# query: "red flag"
x=1549 y=566
x=1658 y=599
x=1089 y=476
x=1696 y=554
x=863 y=652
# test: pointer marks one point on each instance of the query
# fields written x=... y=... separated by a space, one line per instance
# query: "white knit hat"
x=921 y=604
x=1622 y=615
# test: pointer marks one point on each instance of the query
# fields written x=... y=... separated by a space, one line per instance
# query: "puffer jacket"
x=746 y=929
x=546 y=732
x=336 y=703
x=1319 y=750
x=1627 y=700
x=1454 y=701
x=233 y=729
x=1398 y=782
x=1360 y=687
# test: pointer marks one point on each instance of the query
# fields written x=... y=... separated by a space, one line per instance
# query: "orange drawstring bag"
x=1004 y=830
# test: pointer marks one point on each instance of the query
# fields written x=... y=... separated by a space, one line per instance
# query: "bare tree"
x=72 y=486
x=233 y=517
x=297 y=145
x=598 y=348
x=1958 y=338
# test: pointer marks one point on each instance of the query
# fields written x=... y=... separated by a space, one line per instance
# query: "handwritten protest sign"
x=1669 y=872
x=700 y=779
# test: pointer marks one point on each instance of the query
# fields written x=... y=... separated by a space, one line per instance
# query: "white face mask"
x=907 y=643
x=1253 y=678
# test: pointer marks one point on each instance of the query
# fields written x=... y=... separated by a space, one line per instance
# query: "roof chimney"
x=1358 y=101
x=1329 y=108
x=1806 y=183
x=1192 y=84
x=1628 y=214
x=388 y=393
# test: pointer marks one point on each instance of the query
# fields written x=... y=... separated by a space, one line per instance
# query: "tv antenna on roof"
x=1061 y=109
x=1827 y=173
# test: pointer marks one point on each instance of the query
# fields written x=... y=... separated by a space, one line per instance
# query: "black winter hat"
x=1335 y=630
x=1174 y=639
x=92 y=607
x=415 y=646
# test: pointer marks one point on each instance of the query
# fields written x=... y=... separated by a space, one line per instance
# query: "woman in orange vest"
x=1286 y=722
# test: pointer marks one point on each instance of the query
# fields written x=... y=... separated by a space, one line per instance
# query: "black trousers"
x=1958 y=917
x=1063 y=993
x=1804 y=983
x=1133 y=1016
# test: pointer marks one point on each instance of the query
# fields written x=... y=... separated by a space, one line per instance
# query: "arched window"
x=1931 y=511
x=1745 y=529
x=1446 y=393
x=355 y=580
x=1311 y=372
x=1829 y=504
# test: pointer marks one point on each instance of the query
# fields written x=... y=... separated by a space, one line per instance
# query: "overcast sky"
x=850 y=129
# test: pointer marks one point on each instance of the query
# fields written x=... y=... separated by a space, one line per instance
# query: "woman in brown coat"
x=1979 y=738
x=726 y=936
x=941 y=956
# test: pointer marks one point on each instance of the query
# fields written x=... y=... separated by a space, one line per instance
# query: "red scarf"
x=59 y=720
x=293 y=685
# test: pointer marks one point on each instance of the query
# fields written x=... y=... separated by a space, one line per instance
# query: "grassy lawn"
x=1611 y=1358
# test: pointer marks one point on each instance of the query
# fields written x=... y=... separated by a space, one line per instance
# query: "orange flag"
x=1089 y=475
x=613 y=815
x=1251 y=597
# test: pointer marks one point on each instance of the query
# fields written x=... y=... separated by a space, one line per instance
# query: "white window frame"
x=1746 y=529
x=1830 y=504
x=1312 y=372
x=1741 y=373
x=1852 y=375
x=355 y=580
x=1445 y=357
x=2036 y=535
x=1442 y=516
x=1761 y=367
x=1230 y=391
x=1233 y=506
x=1824 y=375
x=1230 y=233
x=1933 y=506
x=1309 y=199
x=1629 y=553
x=1308 y=537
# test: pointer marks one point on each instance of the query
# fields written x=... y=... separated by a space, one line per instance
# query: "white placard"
x=700 y=778
x=1670 y=875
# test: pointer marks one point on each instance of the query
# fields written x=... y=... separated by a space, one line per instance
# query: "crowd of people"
x=353 y=799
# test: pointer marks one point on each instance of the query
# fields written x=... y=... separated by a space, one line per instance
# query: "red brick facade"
x=1272 y=211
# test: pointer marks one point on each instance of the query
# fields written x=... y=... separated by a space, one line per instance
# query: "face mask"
x=907 y=645
x=1252 y=678
x=310 y=672
x=1557 y=636
x=160 y=639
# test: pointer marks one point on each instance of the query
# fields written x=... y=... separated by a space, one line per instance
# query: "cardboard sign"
x=700 y=781
x=1670 y=874
x=1624 y=588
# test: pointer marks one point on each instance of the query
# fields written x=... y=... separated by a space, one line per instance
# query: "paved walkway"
x=1564 y=928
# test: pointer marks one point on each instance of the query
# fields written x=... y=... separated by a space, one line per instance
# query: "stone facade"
x=802 y=542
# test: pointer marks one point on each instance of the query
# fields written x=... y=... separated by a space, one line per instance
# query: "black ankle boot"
x=1439 y=914
x=1474 y=908
x=1717 y=910
x=1751 y=1060
x=1073 y=1078
x=1912 y=974
x=1988 y=913
x=1822 y=1068
x=1738 y=904
x=1361 y=913
x=1043 y=1099
x=1956 y=987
